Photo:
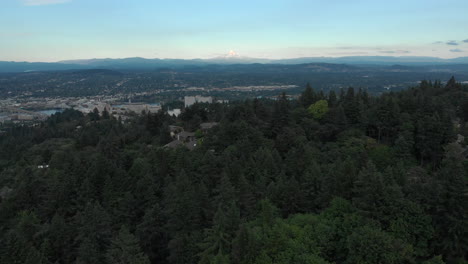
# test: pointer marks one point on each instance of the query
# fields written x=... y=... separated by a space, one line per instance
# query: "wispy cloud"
x=452 y=43
x=43 y=2
x=349 y=53
x=395 y=51
x=359 y=48
x=466 y=41
x=456 y=50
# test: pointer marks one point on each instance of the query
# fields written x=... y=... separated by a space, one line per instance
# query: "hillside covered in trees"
x=330 y=178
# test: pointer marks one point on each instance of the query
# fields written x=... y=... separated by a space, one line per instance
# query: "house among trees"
x=177 y=143
x=208 y=126
x=186 y=138
x=352 y=179
x=182 y=138
x=174 y=130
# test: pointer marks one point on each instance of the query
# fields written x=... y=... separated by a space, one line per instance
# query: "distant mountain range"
x=232 y=59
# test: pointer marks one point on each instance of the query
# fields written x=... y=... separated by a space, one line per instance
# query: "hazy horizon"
x=57 y=30
x=228 y=57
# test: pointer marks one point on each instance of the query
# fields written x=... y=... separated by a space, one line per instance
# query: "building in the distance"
x=136 y=108
x=190 y=100
x=175 y=112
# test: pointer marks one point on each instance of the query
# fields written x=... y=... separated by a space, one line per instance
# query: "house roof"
x=177 y=143
x=191 y=144
x=185 y=134
x=174 y=144
x=208 y=125
x=175 y=128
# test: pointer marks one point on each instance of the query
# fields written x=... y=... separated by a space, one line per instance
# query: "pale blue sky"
x=51 y=30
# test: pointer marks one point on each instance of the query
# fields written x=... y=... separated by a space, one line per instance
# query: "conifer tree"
x=308 y=97
x=125 y=249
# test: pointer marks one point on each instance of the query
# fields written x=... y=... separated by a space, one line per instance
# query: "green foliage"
x=94 y=234
x=382 y=156
x=371 y=245
x=319 y=109
x=273 y=240
x=198 y=133
x=434 y=260
x=308 y=97
x=125 y=249
x=452 y=209
x=367 y=180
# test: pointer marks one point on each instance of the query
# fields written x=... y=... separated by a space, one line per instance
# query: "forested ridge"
x=330 y=178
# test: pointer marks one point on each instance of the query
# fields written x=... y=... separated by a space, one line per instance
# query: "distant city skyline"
x=55 y=30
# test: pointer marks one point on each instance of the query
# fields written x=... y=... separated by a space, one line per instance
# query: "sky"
x=54 y=30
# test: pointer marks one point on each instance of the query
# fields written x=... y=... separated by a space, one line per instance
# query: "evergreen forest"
x=337 y=177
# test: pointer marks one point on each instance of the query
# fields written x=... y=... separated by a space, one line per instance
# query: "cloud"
x=438 y=42
x=358 y=48
x=349 y=53
x=43 y=2
x=395 y=51
x=466 y=41
x=456 y=50
x=452 y=43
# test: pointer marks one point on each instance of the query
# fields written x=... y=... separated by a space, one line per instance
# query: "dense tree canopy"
x=323 y=179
